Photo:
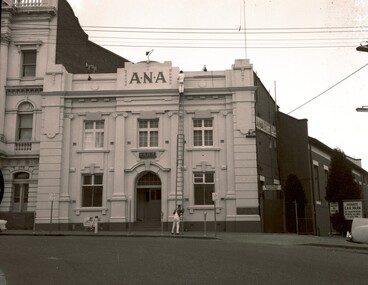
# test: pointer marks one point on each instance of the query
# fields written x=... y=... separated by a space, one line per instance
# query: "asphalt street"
x=148 y=259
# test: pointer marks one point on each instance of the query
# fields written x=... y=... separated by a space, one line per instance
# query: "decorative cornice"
x=27 y=89
x=5 y=38
x=49 y=12
x=22 y=44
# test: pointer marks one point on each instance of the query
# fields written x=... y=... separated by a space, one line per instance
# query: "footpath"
x=256 y=238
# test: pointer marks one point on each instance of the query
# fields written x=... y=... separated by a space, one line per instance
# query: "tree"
x=341 y=186
x=294 y=193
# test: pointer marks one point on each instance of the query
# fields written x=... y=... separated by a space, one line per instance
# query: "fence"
x=316 y=219
x=299 y=218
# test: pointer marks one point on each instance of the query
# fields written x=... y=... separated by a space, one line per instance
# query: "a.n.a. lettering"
x=148 y=77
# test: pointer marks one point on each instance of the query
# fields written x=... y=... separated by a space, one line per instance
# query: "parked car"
x=359 y=231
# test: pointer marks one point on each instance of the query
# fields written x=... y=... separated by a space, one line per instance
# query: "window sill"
x=93 y=151
x=148 y=149
x=201 y=148
x=28 y=78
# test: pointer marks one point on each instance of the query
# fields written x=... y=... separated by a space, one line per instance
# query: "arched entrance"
x=148 y=198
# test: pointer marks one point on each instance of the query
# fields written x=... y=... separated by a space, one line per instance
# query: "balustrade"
x=30 y=3
x=23 y=146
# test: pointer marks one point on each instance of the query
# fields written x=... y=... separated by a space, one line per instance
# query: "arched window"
x=20 y=192
x=149 y=179
x=25 y=122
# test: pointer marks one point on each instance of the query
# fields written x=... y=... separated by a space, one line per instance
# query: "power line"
x=197 y=46
x=230 y=47
x=239 y=39
x=228 y=31
x=315 y=97
x=227 y=39
x=196 y=28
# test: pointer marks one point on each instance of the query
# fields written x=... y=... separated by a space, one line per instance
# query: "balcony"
x=42 y=9
x=23 y=146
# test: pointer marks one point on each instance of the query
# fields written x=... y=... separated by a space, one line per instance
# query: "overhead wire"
x=196 y=28
x=209 y=37
x=320 y=94
x=219 y=31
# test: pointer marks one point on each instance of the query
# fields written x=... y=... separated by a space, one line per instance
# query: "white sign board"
x=271 y=187
x=353 y=209
x=214 y=196
x=334 y=208
x=51 y=196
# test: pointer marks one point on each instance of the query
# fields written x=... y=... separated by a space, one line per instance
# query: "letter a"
x=160 y=76
x=135 y=78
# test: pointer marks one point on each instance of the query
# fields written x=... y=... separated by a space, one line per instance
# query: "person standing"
x=181 y=77
x=95 y=224
x=178 y=212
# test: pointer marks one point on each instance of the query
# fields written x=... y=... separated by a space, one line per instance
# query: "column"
x=4 y=48
x=119 y=199
x=65 y=199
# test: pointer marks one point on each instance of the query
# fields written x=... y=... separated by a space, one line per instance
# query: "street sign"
x=334 y=208
x=51 y=196
x=271 y=187
x=353 y=209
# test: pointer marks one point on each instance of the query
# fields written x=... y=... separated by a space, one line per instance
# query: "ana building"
x=118 y=140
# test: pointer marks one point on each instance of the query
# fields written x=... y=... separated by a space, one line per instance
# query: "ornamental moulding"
x=19 y=90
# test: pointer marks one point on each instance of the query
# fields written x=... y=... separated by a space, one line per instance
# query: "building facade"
x=309 y=159
x=85 y=132
x=320 y=155
x=120 y=144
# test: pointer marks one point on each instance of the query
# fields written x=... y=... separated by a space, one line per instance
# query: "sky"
x=303 y=51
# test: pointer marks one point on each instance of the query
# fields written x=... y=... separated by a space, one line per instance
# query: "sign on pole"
x=334 y=208
x=353 y=209
x=51 y=197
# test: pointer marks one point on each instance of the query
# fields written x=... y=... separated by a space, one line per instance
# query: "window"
x=149 y=179
x=203 y=132
x=20 y=192
x=93 y=134
x=326 y=177
x=204 y=186
x=92 y=190
x=148 y=133
x=25 y=127
x=153 y=194
x=25 y=122
x=29 y=63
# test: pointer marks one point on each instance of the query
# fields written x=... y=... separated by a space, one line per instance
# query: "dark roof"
x=74 y=50
x=329 y=150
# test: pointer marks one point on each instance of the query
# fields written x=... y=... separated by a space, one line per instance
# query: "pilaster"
x=51 y=159
x=4 y=48
x=118 y=198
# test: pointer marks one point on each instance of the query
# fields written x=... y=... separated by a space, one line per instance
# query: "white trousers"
x=176 y=223
x=181 y=87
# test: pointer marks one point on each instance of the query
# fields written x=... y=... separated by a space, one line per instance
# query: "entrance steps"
x=147 y=226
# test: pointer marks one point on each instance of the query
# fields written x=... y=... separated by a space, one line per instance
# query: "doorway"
x=148 y=198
